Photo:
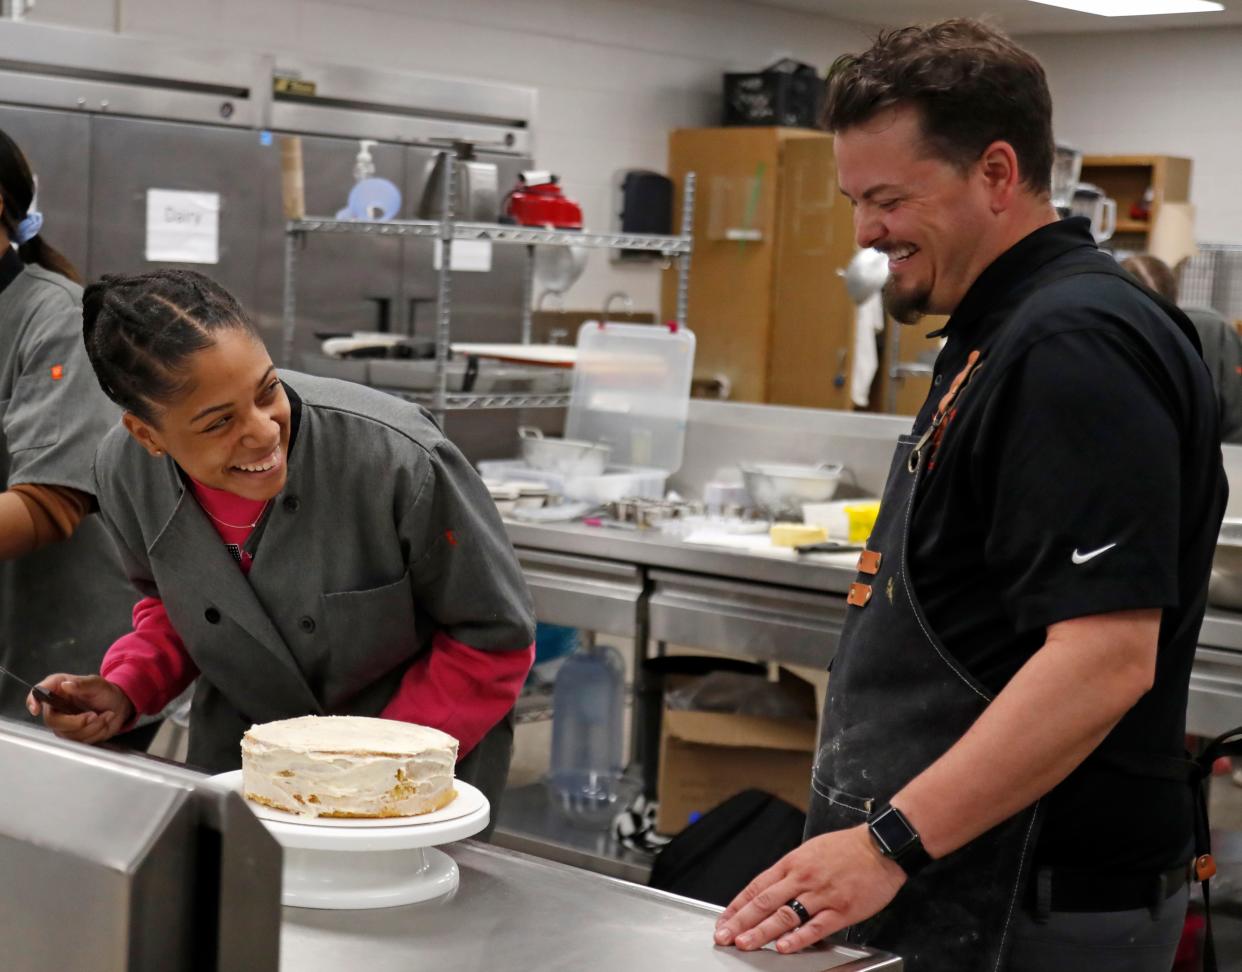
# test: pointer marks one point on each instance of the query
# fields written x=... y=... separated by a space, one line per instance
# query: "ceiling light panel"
x=1134 y=8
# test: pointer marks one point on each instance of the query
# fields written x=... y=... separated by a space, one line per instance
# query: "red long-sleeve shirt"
x=458 y=689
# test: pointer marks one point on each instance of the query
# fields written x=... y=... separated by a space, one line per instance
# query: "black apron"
x=898 y=700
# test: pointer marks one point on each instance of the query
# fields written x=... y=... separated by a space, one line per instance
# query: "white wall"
x=613 y=76
x=1174 y=92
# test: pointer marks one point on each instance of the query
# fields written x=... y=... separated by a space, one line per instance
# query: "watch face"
x=893 y=833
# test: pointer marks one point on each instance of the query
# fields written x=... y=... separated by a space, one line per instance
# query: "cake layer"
x=348 y=766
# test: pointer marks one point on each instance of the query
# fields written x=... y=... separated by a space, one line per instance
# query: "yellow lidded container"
x=861 y=518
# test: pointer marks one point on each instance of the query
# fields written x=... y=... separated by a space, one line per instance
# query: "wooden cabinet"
x=769 y=312
x=905 y=377
x=1126 y=178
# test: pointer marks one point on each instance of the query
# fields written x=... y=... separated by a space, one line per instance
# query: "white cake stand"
x=368 y=863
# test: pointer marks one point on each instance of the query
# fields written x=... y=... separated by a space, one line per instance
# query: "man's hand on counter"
x=840 y=878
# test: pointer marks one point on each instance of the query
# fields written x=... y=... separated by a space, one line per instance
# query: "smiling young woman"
x=305 y=546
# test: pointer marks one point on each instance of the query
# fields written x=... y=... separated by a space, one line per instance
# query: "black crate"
x=787 y=93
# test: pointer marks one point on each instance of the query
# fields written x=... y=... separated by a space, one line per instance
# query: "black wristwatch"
x=897 y=840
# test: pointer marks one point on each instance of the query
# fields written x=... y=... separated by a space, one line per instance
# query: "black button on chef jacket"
x=1079 y=473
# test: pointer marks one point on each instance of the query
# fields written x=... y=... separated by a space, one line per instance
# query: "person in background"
x=1001 y=781
x=63 y=595
x=304 y=546
x=1222 y=352
x=1222 y=345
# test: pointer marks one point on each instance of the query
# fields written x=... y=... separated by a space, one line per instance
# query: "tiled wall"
x=613 y=76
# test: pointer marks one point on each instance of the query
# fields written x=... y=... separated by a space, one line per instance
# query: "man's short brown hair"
x=971 y=85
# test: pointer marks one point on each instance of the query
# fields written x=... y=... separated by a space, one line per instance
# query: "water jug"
x=587 y=733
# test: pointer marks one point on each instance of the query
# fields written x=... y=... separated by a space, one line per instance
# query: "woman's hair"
x=1153 y=273
x=17 y=191
x=141 y=330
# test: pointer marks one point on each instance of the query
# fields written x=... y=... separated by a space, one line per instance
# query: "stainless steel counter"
x=1222 y=629
x=1216 y=680
x=531 y=824
x=514 y=912
x=768 y=609
x=649 y=548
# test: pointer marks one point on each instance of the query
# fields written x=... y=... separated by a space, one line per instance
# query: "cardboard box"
x=707 y=757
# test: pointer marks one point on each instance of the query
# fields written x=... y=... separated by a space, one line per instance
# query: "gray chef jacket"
x=382 y=535
x=61 y=606
x=1222 y=351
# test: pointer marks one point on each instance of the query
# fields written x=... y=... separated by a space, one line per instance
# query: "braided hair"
x=17 y=192
x=141 y=330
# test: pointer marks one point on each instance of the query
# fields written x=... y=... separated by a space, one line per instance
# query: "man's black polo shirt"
x=1079 y=474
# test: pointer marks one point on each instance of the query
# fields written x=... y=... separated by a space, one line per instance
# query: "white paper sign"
x=183 y=227
x=474 y=256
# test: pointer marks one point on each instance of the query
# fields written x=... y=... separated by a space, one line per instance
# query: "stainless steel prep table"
x=644 y=585
x=750 y=605
x=1216 y=680
x=517 y=912
x=653 y=588
x=790 y=611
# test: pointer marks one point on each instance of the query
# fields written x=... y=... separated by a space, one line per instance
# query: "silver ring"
x=799 y=909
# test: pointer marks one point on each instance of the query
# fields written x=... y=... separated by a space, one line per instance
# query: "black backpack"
x=715 y=857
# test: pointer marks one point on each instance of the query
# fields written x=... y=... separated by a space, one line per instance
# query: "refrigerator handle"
x=383 y=313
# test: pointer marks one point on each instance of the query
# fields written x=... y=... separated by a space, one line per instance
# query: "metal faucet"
x=618 y=295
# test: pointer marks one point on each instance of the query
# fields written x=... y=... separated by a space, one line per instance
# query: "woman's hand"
x=840 y=878
x=110 y=708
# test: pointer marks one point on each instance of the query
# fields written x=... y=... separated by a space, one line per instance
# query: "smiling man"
x=999 y=783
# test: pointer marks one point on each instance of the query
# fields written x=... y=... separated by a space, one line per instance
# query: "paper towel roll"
x=292 y=190
x=1173 y=233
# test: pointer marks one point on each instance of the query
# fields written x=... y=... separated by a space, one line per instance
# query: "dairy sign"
x=183 y=227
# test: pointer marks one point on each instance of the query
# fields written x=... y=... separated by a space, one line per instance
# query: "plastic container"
x=849 y=520
x=631 y=390
x=505 y=497
x=532 y=494
x=585 y=778
x=862 y=516
x=613 y=484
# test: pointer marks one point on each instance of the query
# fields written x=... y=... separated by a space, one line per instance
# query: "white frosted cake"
x=348 y=766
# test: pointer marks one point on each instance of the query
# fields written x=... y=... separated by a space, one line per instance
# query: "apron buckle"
x=1204 y=867
x=869 y=562
x=859 y=594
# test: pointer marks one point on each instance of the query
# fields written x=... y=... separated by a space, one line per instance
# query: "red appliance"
x=537 y=200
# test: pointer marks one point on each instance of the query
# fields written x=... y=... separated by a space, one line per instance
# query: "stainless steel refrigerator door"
x=129 y=157
x=57 y=145
x=485 y=306
x=344 y=282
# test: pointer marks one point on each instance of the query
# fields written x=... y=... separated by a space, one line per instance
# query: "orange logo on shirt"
x=58 y=372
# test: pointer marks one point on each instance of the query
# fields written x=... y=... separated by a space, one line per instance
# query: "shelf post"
x=444 y=292
x=288 y=319
x=528 y=294
x=683 y=260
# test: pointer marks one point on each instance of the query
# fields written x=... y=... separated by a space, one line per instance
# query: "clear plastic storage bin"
x=631 y=390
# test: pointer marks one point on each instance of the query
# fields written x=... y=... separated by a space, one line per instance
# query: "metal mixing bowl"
x=568 y=457
x=780 y=489
x=1225 y=586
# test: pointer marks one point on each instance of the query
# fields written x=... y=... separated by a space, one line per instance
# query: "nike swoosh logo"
x=1083 y=558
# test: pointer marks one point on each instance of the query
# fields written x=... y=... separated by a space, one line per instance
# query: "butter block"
x=796 y=534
